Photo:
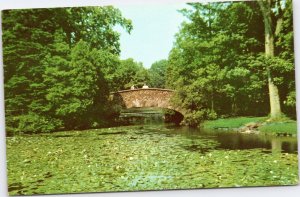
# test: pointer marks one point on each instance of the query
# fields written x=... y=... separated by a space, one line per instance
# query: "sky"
x=154 y=27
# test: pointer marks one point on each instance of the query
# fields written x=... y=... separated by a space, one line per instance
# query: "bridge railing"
x=138 y=89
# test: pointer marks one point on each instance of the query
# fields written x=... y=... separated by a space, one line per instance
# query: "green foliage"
x=217 y=62
x=285 y=36
x=78 y=86
x=157 y=74
x=59 y=66
x=291 y=99
x=195 y=117
x=130 y=73
x=95 y=25
x=141 y=77
x=35 y=123
x=280 y=128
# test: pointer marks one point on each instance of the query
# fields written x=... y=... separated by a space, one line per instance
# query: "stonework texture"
x=148 y=97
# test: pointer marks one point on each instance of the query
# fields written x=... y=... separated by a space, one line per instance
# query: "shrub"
x=32 y=123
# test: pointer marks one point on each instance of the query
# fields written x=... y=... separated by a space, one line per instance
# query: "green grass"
x=231 y=122
x=278 y=128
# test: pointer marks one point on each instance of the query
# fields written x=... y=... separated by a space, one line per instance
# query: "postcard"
x=140 y=97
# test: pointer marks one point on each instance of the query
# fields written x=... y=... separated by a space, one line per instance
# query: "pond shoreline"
x=254 y=125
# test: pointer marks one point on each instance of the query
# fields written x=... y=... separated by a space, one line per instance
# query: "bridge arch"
x=145 y=98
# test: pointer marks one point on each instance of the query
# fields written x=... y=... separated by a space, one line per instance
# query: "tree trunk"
x=274 y=98
x=265 y=6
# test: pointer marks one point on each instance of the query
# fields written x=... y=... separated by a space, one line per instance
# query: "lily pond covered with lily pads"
x=149 y=155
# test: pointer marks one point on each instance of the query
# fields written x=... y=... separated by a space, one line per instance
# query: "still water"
x=230 y=140
x=147 y=154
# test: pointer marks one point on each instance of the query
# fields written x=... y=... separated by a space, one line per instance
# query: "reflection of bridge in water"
x=145 y=98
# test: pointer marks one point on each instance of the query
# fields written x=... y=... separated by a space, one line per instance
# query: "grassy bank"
x=280 y=128
x=286 y=127
x=231 y=123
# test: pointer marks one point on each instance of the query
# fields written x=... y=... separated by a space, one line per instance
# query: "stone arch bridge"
x=145 y=97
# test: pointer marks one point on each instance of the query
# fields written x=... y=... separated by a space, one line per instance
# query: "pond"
x=149 y=155
x=231 y=140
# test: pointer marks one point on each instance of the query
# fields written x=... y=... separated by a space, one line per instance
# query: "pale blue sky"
x=154 y=27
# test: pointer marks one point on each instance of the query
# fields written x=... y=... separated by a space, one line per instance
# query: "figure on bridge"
x=132 y=87
x=145 y=86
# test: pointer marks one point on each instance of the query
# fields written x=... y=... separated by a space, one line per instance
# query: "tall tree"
x=272 y=25
x=45 y=59
x=216 y=64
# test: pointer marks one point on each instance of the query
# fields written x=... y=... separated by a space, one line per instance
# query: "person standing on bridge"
x=145 y=86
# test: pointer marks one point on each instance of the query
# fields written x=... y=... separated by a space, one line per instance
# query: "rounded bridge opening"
x=150 y=115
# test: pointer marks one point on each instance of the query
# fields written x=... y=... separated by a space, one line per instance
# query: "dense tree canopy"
x=131 y=73
x=59 y=65
x=217 y=64
x=157 y=74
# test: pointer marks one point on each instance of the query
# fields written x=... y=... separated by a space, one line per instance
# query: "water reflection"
x=227 y=139
x=142 y=116
x=237 y=141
